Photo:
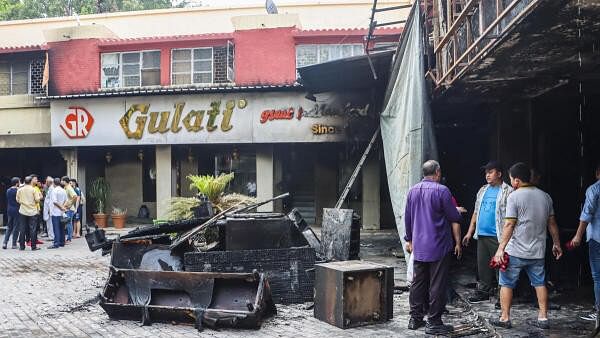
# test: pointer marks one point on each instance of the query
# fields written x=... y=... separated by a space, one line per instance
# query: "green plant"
x=118 y=211
x=181 y=208
x=210 y=186
x=99 y=191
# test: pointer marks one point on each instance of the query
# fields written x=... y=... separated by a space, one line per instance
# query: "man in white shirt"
x=58 y=199
x=48 y=206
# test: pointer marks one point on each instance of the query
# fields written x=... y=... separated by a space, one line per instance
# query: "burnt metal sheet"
x=96 y=239
x=340 y=235
x=165 y=228
x=240 y=300
x=290 y=271
x=144 y=255
x=308 y=233
x=352 y=293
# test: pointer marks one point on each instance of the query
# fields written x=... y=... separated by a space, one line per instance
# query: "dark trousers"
x=59 y=231
x=486 y=249
x=28 y=230
x=429 y=286
x=12 y=228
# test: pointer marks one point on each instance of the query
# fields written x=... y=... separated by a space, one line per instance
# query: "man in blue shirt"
x=589 y=222
x=486 y=227
x=12 y=209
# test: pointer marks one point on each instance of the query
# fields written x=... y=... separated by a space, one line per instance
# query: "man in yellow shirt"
x=29 y=199
x=70 y=205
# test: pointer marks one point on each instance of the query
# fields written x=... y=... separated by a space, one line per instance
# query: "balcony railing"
x=464 y=31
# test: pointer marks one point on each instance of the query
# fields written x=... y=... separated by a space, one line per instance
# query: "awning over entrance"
x=348 y=73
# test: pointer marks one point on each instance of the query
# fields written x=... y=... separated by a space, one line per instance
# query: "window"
x=130 y=69
x=307 y=55
x=14 y=78
x=190 y=66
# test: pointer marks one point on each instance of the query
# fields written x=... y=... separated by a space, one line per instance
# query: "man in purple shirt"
x=431 y=220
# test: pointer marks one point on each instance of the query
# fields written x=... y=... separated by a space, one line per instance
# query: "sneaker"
x=4 y=247
x=28 y=243
x=590 y=316
x=14 y=246
x=415 y=324
x=438 y=329
x=497 y=322
x=35 y=249
x=53 y=247
x=478 y=297
x=543 y=323
x=37 y=241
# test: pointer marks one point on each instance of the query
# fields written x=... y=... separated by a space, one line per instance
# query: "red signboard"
x=78 y=123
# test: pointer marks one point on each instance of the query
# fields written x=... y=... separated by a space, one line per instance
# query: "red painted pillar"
x=165 y=66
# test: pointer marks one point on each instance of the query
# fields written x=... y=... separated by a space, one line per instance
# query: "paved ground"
x=53 y=293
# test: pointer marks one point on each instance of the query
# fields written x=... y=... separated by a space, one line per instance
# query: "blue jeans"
x=59 y=231
x=595 y=267
x=12 y=227
x=70 y=214
x=535 y=271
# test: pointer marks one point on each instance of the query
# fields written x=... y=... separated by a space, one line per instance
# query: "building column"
x=370 y=193
x=70 y=157
x=264 y=175
x=163 y=180
x=82 y=186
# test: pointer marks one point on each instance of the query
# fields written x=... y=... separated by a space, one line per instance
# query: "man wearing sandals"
x=529 y=213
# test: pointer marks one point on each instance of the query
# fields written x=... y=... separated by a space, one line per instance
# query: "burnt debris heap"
x=174 y=272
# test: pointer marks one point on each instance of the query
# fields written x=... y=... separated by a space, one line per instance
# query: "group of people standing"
x=52 y=208
x=511 y=225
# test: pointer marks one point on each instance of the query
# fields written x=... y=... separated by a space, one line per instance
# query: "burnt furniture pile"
x=160 y=273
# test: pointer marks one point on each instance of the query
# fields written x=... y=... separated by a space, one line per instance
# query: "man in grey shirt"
x=529 y=213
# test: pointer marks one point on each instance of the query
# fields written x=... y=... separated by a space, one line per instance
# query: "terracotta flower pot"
x=119 y=221
x=100 y=220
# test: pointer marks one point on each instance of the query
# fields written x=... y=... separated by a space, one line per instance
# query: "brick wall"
x=74 y=66
x=220 y=64
x=265 y=56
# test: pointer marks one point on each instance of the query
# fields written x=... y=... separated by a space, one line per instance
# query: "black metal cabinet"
x=353 y=293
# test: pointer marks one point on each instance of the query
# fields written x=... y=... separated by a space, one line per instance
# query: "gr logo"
x=78 y=123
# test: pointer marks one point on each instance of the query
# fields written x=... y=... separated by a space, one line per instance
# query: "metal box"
x=353 y=293
x=257 y=231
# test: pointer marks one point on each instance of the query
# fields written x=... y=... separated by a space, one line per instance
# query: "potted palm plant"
x=210 y=190
x=99 y=192
x=119 y=217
